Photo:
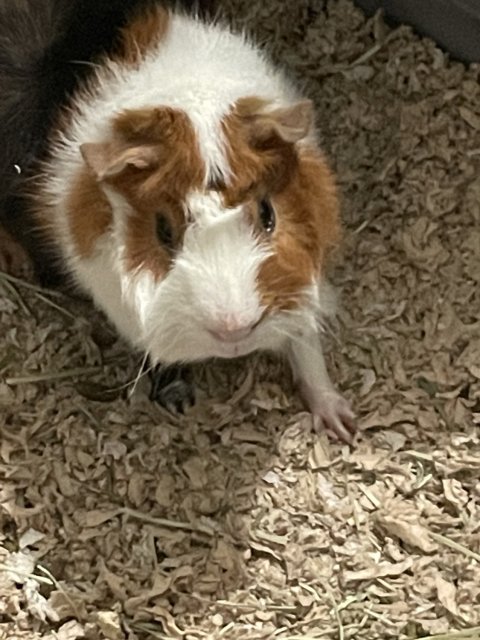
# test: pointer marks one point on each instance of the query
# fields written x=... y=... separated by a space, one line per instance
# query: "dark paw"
x=172 y=387
x=13 y=257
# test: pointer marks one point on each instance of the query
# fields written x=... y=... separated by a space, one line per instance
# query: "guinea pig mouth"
x=231 y=337
x=227 y=351
x=233 y=344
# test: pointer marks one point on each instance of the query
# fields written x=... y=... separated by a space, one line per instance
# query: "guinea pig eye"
x=164 y=231
x=267 y=215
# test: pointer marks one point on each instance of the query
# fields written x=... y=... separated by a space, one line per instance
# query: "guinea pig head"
x=221 y=227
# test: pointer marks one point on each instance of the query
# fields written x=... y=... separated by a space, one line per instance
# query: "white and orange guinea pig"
x=186 y=193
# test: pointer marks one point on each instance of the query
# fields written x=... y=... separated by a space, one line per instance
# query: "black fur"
x=45 y=48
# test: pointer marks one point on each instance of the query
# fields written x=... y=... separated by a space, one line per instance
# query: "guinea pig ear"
x=291 y=124
x=106 y=161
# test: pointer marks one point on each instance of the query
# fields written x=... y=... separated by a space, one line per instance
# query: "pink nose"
x=230 y=332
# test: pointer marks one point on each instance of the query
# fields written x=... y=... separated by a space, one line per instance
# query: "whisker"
x=140 y=374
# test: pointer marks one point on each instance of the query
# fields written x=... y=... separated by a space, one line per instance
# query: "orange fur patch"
x=307 y=228
x=174 y=168
x=143 y=33
x=89 y=213
x=302 y=190
x=259 y=165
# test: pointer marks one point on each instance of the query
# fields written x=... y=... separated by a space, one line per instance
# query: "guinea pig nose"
x=232 y=333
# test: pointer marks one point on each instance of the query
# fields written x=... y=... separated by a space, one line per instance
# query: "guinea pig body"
x=185 y=191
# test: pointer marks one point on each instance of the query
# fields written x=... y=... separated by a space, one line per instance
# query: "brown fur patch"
x=143 y=33
x=259 y=165
x=89 y=213
x=302 y=190
x=307 y=228
x=176 y=168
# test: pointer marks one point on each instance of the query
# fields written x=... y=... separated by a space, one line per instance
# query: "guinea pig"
x=186 y=193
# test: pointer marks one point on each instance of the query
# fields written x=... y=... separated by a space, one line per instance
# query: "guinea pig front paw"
x=172 y=387
x=13 y=258
x=332 y=413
